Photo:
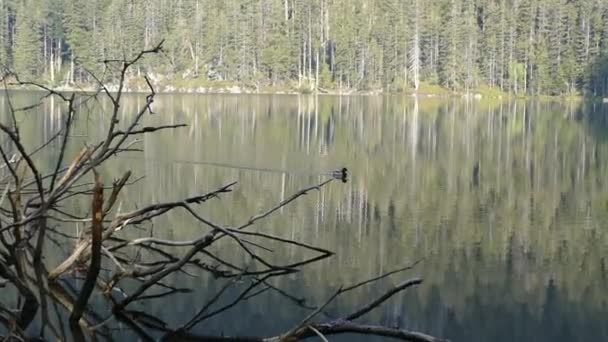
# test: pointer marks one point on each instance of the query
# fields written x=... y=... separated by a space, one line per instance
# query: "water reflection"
x=506 y=201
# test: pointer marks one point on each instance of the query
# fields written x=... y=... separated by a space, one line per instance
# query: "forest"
x=527 y=47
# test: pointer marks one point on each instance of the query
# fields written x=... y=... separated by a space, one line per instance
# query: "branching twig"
x=33 y=204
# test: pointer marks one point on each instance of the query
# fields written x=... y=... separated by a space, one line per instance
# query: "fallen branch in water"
x=95 y=263
x=36 y=207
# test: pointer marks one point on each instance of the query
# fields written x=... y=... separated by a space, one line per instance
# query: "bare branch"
x=369 y=307
x=97 y=228
x=39 y=209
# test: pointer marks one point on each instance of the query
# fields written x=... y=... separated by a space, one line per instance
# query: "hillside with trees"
x=553 y=47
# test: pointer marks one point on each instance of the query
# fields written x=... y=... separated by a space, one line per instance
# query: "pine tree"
x=489 y=62
x=415 y=55
x=78 y=22
x=363 y=44
x=525 y=35
x=451 y=46
x=4 y=34
x=26 y=49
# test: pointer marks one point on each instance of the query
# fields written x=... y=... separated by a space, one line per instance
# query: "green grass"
x=200 y=82
x=426 y=88
x=490 y=92
x=277 y=88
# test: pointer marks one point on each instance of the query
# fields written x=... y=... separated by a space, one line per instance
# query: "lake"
x=506 y=202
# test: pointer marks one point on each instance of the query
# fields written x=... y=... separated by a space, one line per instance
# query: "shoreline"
x=167 y=89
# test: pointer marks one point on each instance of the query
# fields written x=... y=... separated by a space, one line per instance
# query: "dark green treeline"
x=520 y=46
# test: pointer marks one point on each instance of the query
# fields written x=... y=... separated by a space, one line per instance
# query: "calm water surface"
x=507 y=202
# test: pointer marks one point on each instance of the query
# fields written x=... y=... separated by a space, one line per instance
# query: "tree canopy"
x=551 y=47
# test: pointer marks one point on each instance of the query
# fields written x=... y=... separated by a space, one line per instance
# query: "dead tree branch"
x=120 y=264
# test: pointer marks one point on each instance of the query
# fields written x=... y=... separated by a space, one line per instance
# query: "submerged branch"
x=120 y=265
x=92 y=274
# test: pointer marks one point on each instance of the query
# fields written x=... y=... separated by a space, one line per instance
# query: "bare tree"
x=34 y=207
x=415 y=55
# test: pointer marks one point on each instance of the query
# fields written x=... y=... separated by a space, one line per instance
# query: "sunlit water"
x=506 y=202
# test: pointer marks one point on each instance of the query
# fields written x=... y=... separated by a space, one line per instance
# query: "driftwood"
x=33 y=210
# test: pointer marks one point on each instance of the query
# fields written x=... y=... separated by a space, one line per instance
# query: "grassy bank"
x=204 y=86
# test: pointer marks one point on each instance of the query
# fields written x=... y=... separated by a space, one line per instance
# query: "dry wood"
x=95 y=265
x=35 y=210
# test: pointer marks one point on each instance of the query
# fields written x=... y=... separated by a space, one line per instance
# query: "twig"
x=321 y=336
x=369 y=307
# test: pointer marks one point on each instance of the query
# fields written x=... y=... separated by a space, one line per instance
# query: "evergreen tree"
x=78 y=22
x=4 y=34
x=26 y=50
x=523 y=46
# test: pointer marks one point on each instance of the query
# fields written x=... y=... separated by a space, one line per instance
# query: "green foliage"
x=26 y=50
x=524 y=47
x=516 y=75
x=597 y=77
x=432 y=89
x=489 y=92
x=79 y=25
x=275 y=56
x=4 y=36
x=325 y=77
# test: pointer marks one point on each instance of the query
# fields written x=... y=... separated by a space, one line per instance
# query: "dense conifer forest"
x=553 y=47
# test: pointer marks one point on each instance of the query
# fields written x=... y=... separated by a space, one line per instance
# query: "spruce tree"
x=26 y=45
x=363 y=44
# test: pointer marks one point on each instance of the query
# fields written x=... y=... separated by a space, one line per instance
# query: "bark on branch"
x=35 y=209
x=93 y=273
